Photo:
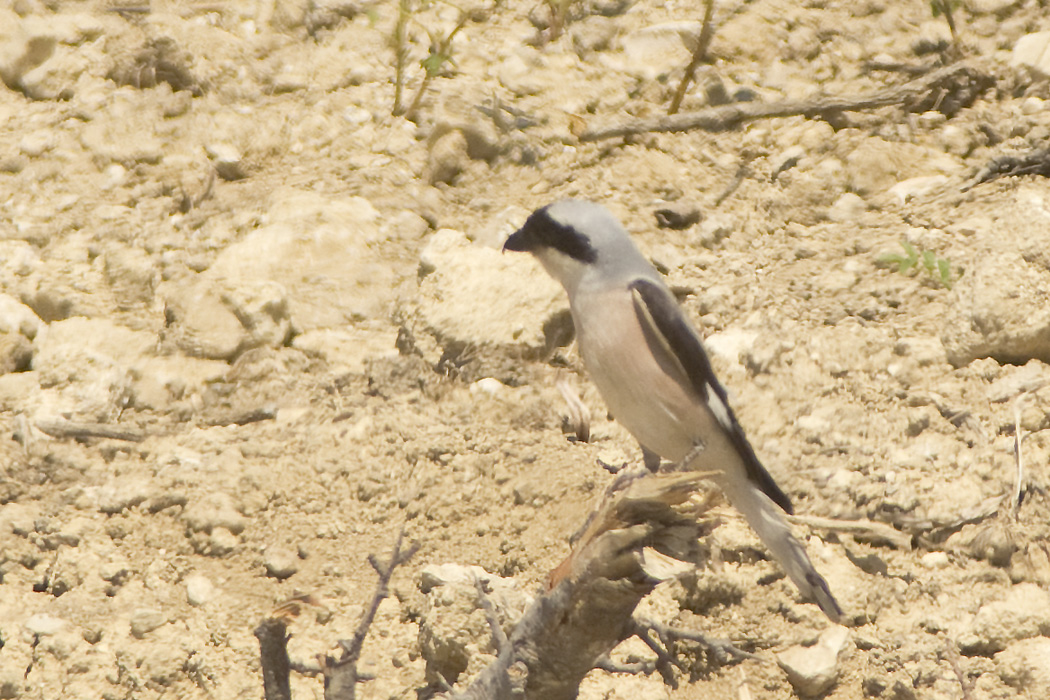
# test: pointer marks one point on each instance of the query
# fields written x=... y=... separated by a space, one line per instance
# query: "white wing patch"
x=719 y=408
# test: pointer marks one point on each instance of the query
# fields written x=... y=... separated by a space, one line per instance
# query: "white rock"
x=214 y=510
x=1010 y=323
x=348 y=349
x=1025 y=665
x=848 y=207
x=145 y=620
x=658 y=49
x=70 y=350
x=1033 y=105
x=599 y=686
x=43 y=624
x=89 y=363
x=471 y=294
x=814 y=670
x=488 y=386
x=1023 y=613
x=199 y=590
x=915 y=187
x=453 y=629
x=37 y=143
x=1033 y=51
x=935 y=560
x=280 y=562
x=731 y=343
x=229 y=163
x=336 y=277
x=1016 y=380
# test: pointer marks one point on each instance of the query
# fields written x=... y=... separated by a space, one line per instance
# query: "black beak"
x=517 y=242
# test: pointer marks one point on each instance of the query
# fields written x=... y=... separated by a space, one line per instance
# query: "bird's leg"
x=686 y=464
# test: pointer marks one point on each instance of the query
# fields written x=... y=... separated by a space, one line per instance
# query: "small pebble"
x=677 y=215
x=280 y=563
x=488 y=386
x=43 y=624
x=934 y=560
x=145 y=620
x=199 y=590
x=847 y=208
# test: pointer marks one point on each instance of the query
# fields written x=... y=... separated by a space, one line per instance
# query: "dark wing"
x=658 y=309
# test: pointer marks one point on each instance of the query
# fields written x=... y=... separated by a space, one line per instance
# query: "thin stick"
x=400 y=41
x=1015 y=503
x=728 y=116
x=341 y=675
x=953 y=660
x=879 y=532
x=699 y=55
x=498 y=635
x=65 y=429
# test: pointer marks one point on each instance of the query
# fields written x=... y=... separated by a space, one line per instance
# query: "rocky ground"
x=286 y=306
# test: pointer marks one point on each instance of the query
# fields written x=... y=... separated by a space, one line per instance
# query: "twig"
x=1036 y=162
x=498 y=635
x=722 y=649
x=699 y=55
x=638 y=668
x=741 y=172
x=952 y=655
x=65 y=429
x=865 y=529
x=245 y=417
x=743 y=690
x=728 y=116
x=1015 y=502
x=340 y=675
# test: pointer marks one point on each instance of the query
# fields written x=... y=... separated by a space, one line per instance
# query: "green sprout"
x=939 y=269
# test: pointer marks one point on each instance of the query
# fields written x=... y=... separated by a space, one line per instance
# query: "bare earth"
x=215 y=237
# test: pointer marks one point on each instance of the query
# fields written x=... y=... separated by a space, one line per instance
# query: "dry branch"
x=959 y=76
x=699 y=55
x=272 y=634
x=66 y=429
x=588 y=608
x=341 y=675
x=867 y=530
x=1015 y=500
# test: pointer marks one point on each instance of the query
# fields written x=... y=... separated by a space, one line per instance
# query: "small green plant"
x=939 y=269
x=439 y=55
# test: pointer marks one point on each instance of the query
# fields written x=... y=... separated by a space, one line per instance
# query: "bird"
x=650 y=367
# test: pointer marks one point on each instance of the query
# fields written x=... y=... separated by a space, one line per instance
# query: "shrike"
x=650 y=367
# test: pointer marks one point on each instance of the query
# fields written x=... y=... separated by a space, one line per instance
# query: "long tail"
x=765 y=518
